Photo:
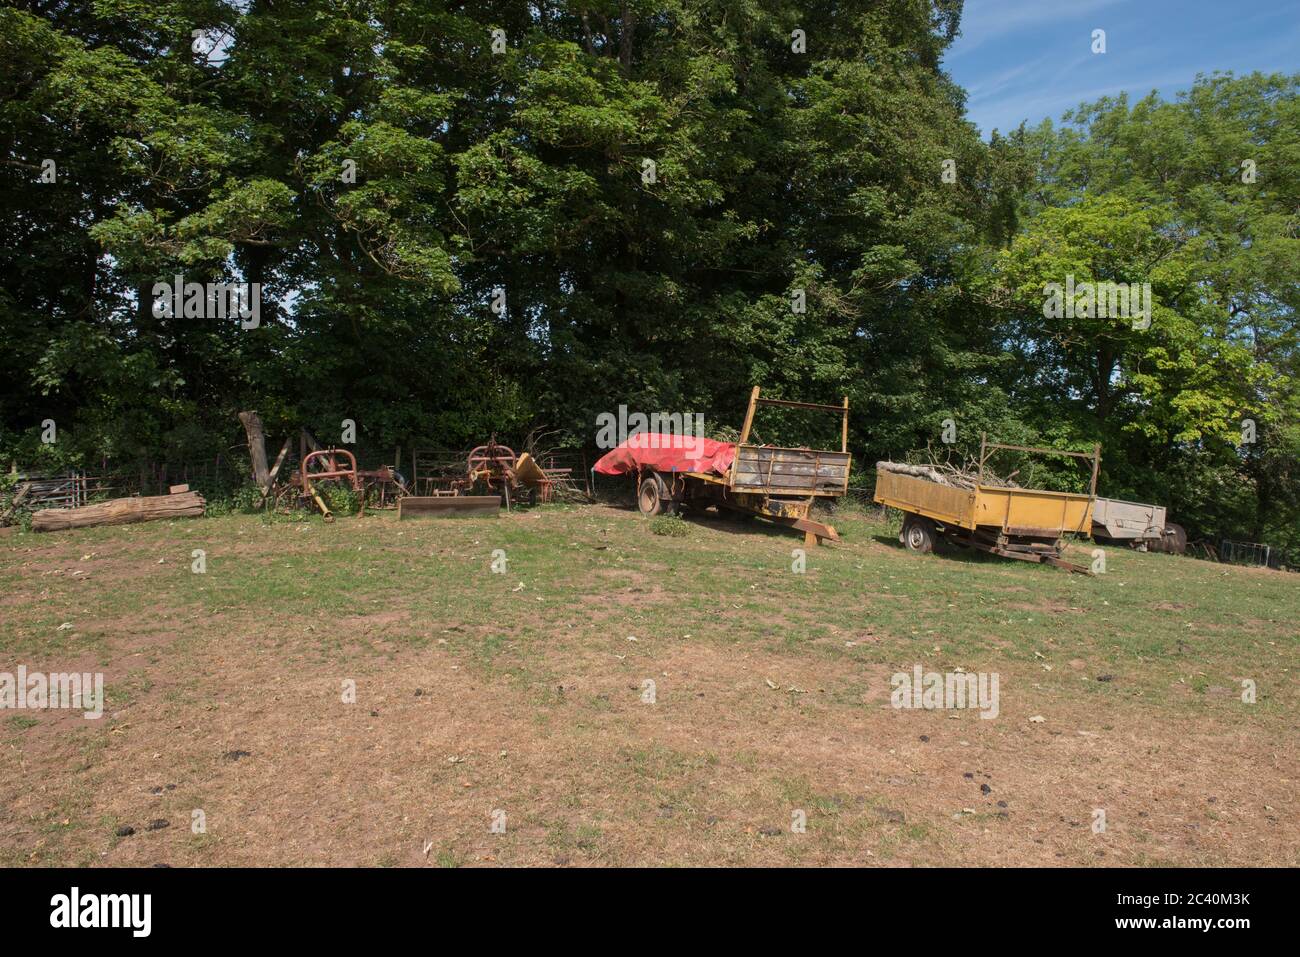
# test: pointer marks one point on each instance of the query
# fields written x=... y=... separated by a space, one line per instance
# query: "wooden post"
x=980 y=480
x=749 y=416
x=256 y=445
x=1096 y=467
x=844 y=438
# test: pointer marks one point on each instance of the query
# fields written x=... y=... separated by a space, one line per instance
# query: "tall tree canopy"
x=1198 y=197
x=489 y=217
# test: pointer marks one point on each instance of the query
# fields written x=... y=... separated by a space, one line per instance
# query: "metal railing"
x=1245 y=553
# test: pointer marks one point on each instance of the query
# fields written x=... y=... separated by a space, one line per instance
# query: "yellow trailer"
x=1024 y=523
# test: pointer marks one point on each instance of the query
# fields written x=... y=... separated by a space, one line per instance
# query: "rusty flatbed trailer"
x=1023 y=523
x=765 y=481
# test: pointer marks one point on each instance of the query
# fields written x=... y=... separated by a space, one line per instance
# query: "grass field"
x=519 y=698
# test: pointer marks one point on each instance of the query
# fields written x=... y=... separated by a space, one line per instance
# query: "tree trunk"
x=119 y=511
x=256 y=446
x=627 y=31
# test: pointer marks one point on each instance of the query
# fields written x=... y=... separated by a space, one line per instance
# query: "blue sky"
x=1030 y=59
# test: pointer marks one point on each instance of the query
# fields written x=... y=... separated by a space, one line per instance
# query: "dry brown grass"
x=475 y=695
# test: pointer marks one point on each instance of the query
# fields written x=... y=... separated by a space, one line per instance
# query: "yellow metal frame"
x=1022 y=512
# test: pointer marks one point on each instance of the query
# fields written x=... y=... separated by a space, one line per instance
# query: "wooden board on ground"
x=440 y=505
x=120 y=511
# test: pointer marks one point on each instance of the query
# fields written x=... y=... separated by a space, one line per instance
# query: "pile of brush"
x=965 y=475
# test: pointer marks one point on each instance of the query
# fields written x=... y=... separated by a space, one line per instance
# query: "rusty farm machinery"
x=493 y=476
x=490 y=476
x=383 y=487
x=320 y=471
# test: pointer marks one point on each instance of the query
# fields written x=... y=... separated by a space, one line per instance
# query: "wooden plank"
x=410 y=506
x=788 y=455
x=177 y=489
x=828 y=467
x=749 y=417
x=790 y=404
x=810 y=527
x=844 y=435
x=275 y=469
x=756 y=480
x=762 y=480
x=805 y=465
x=788 y=470
x=793 y=476
x=798 y=472
x=18 y=500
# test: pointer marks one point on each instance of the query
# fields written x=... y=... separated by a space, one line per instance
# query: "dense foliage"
x=516 y=169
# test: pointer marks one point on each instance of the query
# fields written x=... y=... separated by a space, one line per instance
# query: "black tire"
x=919 y=535
x=1175 y=539
x=649 y=495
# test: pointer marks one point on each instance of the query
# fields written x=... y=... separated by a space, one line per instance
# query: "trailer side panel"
x=794 y=472
x=950 y=506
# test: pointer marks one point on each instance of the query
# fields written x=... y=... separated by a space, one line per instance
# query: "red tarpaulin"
x=667 y=453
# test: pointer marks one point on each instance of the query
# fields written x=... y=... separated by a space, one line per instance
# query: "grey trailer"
x=1137 y=524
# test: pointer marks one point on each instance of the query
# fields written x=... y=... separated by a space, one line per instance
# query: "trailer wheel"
x=918 y=535
x=649 y=496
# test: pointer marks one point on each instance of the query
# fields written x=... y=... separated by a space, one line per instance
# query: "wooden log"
x=119 y=511
x=177 y=489
x=409 y=506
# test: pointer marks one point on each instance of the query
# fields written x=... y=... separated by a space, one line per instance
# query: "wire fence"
x=71 y=488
